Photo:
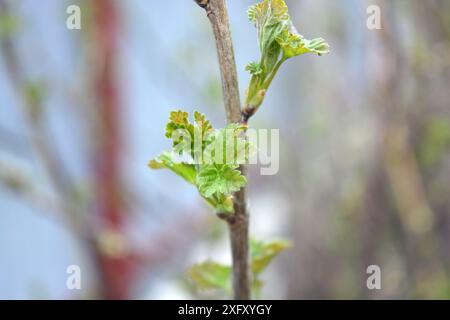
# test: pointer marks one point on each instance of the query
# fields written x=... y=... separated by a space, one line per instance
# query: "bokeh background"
x=364 y=153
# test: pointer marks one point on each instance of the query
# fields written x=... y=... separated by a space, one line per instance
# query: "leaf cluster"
x=207 y=158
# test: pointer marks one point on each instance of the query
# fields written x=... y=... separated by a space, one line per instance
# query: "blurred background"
x=364 y=153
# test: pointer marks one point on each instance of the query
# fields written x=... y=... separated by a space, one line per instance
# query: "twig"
x=238 y=222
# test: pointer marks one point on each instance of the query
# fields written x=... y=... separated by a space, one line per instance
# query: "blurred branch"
x=32 y=103
x=402 y=168
x=13 y=179
x=406 y=182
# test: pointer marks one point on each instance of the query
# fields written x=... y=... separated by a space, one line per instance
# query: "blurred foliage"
x=263 y=253
x=211 y=275
x=9 y=24
x=436 y=141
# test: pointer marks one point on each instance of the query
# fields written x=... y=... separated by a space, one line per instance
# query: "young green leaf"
x=166 y=161
x=278 y=41
x=269 y=17
x=294 y=44
x=263 y=253
x=181 y=131
x=228 y=146
x=219 y=180
x=210 y=275
x=178 y=120
x=202 y=126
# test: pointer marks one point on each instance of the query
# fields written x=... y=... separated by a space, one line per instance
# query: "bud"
x=202 y=3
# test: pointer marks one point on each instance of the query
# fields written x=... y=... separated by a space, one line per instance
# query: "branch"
x=217 y=14
x=238 y=223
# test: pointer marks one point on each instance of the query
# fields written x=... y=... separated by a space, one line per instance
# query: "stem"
x=256 y=92
x=238 y=222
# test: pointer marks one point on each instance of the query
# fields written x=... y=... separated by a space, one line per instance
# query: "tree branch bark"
x=239 y=222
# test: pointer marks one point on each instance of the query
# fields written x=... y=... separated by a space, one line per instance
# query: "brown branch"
x=238 y=222
x=217 y=14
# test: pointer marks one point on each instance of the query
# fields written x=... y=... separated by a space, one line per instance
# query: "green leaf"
x=234 y=148
x=202 y=122
x=263 y=253
x=268 y=12
x=293 y=44
x=270 y=18
x=178 y=120
x=210 y=275
x=203 y=129
x=166 y=161
x=278 y=41
x=218 y=180
x=181 y=131
x=188 y=138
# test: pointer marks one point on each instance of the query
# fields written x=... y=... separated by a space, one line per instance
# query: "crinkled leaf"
x=210 y=275
x=293 y=44
x=219 y=180
x=185 y=135
x=274 y=24
x=202 y=122
x=278 y=41
x=263 y=253
x=270 y=18
x=181 y=131
x=268 y=11
x=178 y=120
x=233 y=147
x=166 y=161
x=202 y=130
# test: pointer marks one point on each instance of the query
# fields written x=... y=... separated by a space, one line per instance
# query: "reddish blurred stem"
x=117 y=269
